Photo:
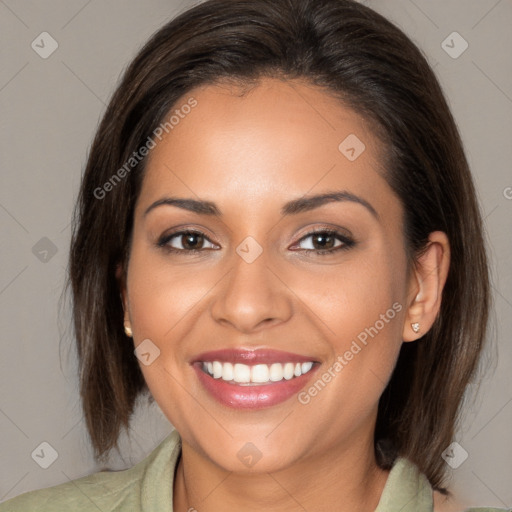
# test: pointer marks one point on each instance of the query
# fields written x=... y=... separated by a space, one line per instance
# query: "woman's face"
x=260 y=299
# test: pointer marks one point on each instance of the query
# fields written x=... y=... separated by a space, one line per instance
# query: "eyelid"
x=322 y=228
x=163 y=240
x=319 y=232
x=340 y=234
x=346 y=239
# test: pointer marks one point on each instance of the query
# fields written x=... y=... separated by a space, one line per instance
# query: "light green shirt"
x=147 y=487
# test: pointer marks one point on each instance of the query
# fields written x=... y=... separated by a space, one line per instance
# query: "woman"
x=277 y=237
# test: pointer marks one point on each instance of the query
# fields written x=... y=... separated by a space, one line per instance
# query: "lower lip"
x=253 y=396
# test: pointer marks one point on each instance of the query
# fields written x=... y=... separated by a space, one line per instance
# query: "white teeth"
x=241 y=373
x=217 y=370
x=276 y=372
x=288 y=371
x=306 y=367
x=227 y=371
x=257 y=374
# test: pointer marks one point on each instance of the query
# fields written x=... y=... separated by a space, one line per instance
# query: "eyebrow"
x=303 y=204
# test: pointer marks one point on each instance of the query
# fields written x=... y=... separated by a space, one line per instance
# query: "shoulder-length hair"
x=372 y=67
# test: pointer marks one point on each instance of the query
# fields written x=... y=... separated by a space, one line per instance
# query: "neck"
x=342 y=478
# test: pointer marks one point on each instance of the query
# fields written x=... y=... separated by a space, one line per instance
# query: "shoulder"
x=409 y=490
x=97 y=491
x=451 y=504
x=107 y=491
x=488 y=509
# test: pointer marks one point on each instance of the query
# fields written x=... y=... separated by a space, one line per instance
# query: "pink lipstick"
x=253 y=379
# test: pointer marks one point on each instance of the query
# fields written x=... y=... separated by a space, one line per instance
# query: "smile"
x=253 y=379
x=244 y=374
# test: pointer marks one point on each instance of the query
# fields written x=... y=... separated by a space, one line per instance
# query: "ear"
x=121 y=280
x=426 y=284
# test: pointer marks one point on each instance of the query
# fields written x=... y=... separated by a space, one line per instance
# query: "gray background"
x=49 y=111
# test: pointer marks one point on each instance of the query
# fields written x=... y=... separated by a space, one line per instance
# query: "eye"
x=325 y=241
x=322 y=241
x=186 y=241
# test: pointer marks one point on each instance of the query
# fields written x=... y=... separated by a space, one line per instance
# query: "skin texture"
x=250 y=154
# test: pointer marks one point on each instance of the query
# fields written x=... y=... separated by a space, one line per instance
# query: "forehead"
x=264 y=144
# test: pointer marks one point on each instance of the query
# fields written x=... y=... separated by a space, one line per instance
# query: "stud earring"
x=415 y=327
x=128 y=331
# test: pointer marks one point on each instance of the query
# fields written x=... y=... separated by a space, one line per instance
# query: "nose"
x=252 y=296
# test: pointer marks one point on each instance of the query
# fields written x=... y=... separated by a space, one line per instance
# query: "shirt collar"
x=406 y=489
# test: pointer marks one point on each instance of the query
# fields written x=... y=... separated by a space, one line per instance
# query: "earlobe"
x=426 y=286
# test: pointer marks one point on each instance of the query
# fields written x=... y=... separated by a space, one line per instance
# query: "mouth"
x=243 y=374
x=253 y=379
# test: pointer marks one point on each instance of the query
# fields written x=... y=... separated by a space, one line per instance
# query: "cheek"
x=356 y=295
x=163 y=295
x=360 y=308
x=165 y=303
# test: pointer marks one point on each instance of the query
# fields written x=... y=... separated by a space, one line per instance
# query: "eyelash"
x=347 y=243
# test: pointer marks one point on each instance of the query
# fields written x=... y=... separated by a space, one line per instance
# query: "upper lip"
x=251 y=356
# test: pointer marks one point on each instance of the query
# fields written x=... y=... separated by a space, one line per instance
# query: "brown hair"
x=368 y=63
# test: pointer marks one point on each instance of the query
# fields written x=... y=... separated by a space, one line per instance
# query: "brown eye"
x=192 y=241
x=321 y=241
x=186 y=241
x=324 y=241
